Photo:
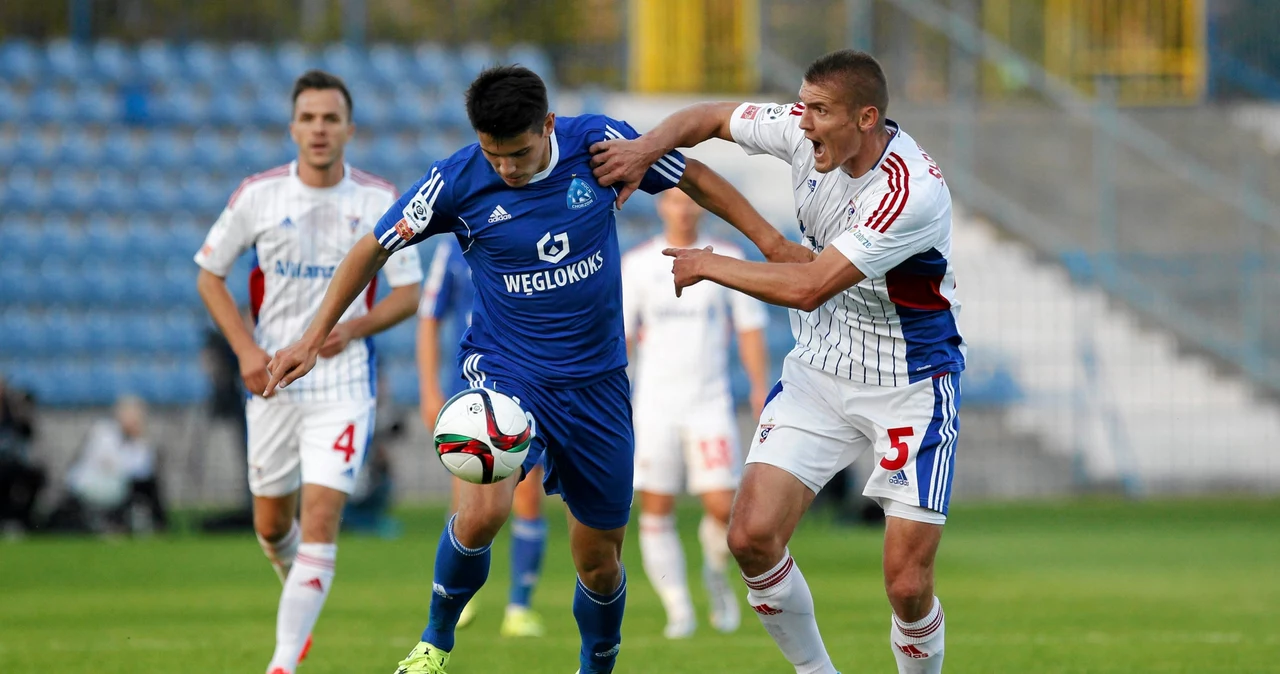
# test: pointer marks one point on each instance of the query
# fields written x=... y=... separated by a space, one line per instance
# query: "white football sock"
x=282 y=552
x=304 y=593
x=781 y=597
x=714 y=538
x=664 y=565
x=919 y=646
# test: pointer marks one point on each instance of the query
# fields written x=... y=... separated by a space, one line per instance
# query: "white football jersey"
x=299 y=235
x=682 y=342
x=897 y=326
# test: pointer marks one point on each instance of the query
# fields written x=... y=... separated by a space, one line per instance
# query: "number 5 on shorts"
x=901 y=450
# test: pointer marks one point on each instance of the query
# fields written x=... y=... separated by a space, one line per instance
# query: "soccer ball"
x=482 y=436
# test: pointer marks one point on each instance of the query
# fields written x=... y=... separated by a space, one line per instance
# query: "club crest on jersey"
x=580 y=194
x=553 y=250
x=764 y=431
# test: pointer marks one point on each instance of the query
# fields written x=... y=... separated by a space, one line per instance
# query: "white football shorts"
x=306 y=442
x=693 y=445
x=816 y=424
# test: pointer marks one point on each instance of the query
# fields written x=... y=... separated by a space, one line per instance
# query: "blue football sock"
x=528 y=540
x=600 y=624
x=460 y=572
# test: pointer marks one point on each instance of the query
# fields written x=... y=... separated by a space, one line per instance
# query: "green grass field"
x=1093 y=586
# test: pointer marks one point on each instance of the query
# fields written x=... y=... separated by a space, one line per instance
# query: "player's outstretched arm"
x=625 y=161
x=352 y=276
x=714 y=193
x=804 y=286
x=398 y=305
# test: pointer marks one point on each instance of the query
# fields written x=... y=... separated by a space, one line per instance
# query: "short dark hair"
x=506 y=101
x=857 y=73
x=319 y=79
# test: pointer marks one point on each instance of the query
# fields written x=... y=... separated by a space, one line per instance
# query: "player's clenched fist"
x=289 y=364
x=253 y=369
x=687 y=265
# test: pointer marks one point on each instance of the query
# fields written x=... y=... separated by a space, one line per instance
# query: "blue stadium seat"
x=250 y=64
x=291 y=60
x=97 y=105
x=200 y=193
x=65 y=333
x=268 y=109
x=349 y=64
x=432 y=67
x=73 y=191
x=113 y=62
x=103 y=283
x=428 y=149
x=19 y=284
x=532 y=58
x=253 y=150
x=208 y=150
x=448 y=117
x=107 y=241
x=60 y=283
x=20 y=61
x=30 y=150
x=111 y=194
x=475 y=57
x=23 y=192
x=409 y=110
x=24 y=238
x=156 y=192
x=68 y=61
x=101 y=335
x=165 y=150
x=205 y=64
x=78 y=148
x=13 y=108
x=180 y=333
x=191 y=384
x=121 y=151
x=228 y=108
x=391 y=154
x=158 y=62
x=389 y=65
x=49 y=105
x=147 y=239
x=178 y=281
x=181 y=105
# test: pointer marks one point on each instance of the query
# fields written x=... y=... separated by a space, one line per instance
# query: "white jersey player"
x=300 y=220
x=686 y=435
x=877 y=359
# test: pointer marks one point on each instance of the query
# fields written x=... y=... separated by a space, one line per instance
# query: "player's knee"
x=752 y=541
x=477 y=527
x=600 y=572
x=908 y=587
x=272 y=526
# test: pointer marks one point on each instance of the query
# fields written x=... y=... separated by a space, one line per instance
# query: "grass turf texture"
x=1091 y=586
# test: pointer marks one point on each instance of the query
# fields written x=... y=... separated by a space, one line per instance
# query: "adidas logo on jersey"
x=498 y=215
x=900 y=479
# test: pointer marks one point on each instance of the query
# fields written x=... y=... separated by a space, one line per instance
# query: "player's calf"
x=917 y=631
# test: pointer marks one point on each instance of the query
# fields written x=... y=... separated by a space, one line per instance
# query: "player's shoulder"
x=259 y=183
x=371 y=182
x=770 y=112
x=906 y=159
x=583 y=125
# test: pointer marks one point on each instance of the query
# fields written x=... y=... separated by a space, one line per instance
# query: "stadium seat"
x=389 y=66
x=23 y=192
x=22 y=237
x=349 y=64
x=179 y=333
x=532 y=58
x=291 y=60
x=205 y=64
x=13 y=108
x=73 y=191
x=249 y=63
x=474 y=58
x=432 y=67
x=408 y=110
x=158 y=62
x=156 y=192
x=181 y=105
x=119 y=149
x=111 y=193
x=20 y=61
x=78 y=148
x=209 y=150
x=253 y=150
x=31 y=151
x=50 y=106
x=200 y=193
x=228 y=108
x=68 y=61
x=166 y=150
x=19 y=284
x=96 y=105
x=113 y=63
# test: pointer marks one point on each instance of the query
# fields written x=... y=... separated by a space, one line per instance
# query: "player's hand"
x=289 y=364
x=253 y=369
x=336 y=341
x=432 y=402
x=687 y=266
x=621 y=162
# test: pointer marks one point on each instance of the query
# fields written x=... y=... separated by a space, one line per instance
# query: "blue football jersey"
x=544 y=257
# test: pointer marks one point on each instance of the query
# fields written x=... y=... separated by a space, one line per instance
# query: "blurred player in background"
x=300 y=220
x=686 y=432
x=447 y=299
x=878 y=355
x=540 y=236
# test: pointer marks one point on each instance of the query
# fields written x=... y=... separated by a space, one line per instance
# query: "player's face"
x=834 y=127
x=321 y=127
x=680 y=214
x=519 y=158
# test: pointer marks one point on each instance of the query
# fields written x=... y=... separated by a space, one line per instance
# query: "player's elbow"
x=206 y=281
x=807 y=297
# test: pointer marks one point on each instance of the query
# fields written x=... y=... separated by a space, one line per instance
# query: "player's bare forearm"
x=754 y=356
x=352 y=276
x=398 y=305
x=804 y=286
x=427 y=347
x=714 y=193
x=690 y=126
x=222 y=308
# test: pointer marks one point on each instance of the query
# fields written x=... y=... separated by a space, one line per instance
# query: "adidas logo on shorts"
x=899 y=479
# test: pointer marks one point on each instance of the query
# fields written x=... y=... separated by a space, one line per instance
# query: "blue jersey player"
x=538 y=232
x=448 y=296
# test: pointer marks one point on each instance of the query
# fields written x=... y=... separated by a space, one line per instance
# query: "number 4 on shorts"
x=901 y=450
x=346 y=443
